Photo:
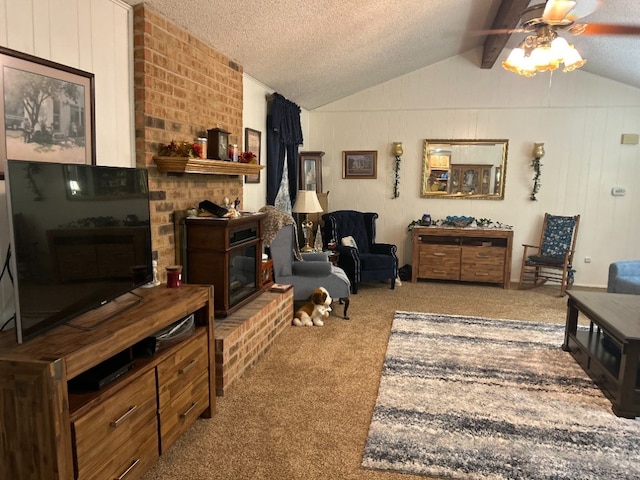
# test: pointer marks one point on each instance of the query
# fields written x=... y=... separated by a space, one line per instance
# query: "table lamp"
x=307 y=202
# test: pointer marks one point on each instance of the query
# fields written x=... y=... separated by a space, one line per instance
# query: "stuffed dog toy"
x=316 y=311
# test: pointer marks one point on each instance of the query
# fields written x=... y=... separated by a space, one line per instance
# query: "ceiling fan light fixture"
x=572 y=60
x=541 y=53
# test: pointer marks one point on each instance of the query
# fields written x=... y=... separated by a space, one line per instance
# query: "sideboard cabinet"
x=52 y=430
x=463 y=254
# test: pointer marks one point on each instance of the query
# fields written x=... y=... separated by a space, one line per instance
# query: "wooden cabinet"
x=465 y=254
x=121 y=426
x=310 y=171
x=471 y=179
x=93 y=253
x=438 y=180
x=53 y=431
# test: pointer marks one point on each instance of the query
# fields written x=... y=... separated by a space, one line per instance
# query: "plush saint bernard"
x=316 y=311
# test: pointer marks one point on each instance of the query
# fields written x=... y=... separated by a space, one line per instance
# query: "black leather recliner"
x=367 y=261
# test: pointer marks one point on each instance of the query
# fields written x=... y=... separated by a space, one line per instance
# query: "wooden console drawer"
x=439 y=262
x=482 y=264
x=183 y=367
x=180 y=413
x=115 y=433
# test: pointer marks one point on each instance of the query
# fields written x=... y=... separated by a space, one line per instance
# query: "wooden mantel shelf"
x=205 y=166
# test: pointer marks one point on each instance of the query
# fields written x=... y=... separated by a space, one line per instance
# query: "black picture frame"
x=47 y=112
x=252 y=143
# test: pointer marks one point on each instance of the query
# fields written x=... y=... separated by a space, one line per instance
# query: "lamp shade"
x=307 y=202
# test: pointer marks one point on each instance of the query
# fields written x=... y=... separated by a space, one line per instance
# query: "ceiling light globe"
x=572 y=60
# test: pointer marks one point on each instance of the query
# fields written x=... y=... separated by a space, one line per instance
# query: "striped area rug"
x=477 y=398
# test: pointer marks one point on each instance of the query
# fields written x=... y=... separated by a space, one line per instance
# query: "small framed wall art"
x=252 y=143
x=360 y=164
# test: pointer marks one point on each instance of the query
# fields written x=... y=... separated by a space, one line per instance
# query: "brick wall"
x=182 y=87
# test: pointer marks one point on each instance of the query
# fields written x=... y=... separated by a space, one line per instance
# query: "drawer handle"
x=185 y=414
x=116 y=424
x=480 y=255
x=439 y=271
x=128 y=470
x=481 y=274
x=438 y=254
x=188 y=367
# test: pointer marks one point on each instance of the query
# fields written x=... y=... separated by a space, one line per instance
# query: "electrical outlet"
x=618 y=191
x=587 y=259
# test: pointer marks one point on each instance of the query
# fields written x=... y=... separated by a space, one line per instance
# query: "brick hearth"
x=243 y=337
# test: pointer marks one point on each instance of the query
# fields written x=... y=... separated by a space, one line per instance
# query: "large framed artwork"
x=47 y=112
x=361 y=164
x=252 y=139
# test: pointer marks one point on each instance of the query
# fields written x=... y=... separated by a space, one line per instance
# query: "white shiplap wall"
x=580 y=117
x=91 y=35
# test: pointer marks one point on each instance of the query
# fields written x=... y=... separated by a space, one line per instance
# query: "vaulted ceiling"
x=317 y=51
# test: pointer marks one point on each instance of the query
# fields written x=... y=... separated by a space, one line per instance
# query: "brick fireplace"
x=182 y=87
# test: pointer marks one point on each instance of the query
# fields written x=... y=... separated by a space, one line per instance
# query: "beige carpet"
x=303 y=411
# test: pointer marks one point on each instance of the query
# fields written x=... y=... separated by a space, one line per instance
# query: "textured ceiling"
x=316 y=51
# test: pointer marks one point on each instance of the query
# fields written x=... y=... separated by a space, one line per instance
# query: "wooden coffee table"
x=609 y=349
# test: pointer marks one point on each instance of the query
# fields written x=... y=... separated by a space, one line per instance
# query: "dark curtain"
x=284 y=134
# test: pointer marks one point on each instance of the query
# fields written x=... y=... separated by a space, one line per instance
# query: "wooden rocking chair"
x=553 y=260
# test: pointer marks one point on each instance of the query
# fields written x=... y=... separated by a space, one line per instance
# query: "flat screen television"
x=80 y=237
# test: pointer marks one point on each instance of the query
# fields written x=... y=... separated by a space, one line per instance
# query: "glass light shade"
x=514 y=60
x=572 y=60
x=397 y=149
x=559 y=47
x=538 y=150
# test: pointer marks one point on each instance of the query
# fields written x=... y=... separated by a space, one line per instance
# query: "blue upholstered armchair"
x=367 y=260
x=624 y=277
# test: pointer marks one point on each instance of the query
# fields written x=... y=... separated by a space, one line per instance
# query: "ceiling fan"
x=562 y=15
x=543 y=49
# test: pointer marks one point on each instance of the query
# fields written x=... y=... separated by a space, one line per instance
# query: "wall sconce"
x=397 y=151
x=538 y=153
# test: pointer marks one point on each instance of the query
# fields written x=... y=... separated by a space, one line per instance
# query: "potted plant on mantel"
x=185 y=157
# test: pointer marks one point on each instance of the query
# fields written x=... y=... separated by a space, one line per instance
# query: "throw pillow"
x=349 y=242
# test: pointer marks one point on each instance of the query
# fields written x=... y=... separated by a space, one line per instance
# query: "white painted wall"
x=579 y=116
x=91 y=35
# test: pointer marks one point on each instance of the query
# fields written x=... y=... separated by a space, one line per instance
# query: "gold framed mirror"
x=464 y=169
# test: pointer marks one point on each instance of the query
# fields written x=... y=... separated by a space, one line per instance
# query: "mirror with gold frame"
x=464 y=169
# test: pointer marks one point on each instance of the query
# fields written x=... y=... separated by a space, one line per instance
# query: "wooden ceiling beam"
x=508 y=16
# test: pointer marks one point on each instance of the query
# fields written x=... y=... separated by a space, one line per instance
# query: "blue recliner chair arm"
x=383 y=248
x=311 y=269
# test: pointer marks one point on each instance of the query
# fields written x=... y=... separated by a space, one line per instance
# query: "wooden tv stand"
x=49 y=431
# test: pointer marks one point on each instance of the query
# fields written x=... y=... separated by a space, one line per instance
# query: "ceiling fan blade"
x=604 y=29
x=555 y=11
x=584 y=8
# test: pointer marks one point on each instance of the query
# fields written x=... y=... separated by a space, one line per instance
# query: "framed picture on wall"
x=360 y=164
x=252 y=139
x=47 y=112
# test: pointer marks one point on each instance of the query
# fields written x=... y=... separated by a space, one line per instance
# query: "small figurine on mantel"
x=318 y=245
x=236 y=204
